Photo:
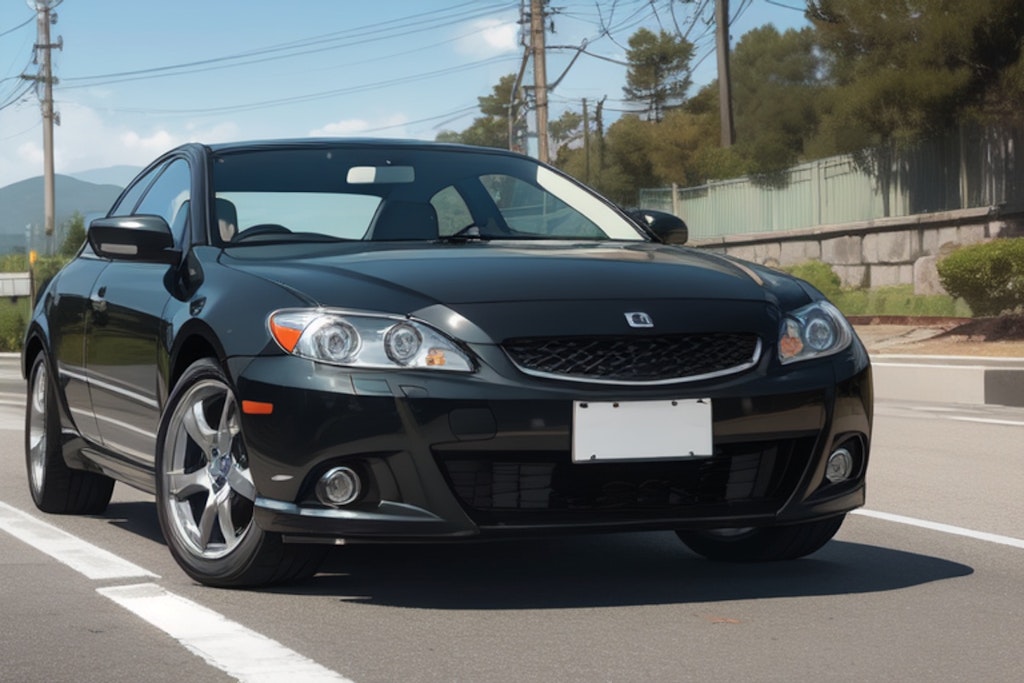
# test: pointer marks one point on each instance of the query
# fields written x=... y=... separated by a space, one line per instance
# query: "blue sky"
x=139 y=77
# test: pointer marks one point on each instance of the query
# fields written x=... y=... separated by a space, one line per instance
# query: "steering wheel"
x=261 y=229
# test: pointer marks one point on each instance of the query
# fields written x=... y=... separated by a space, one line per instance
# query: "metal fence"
x=975 y=167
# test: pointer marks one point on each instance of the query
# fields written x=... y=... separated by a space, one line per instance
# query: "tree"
x=907 y=69
x=566 y=129
x=776 y=90
x=776 y=87
x=491 y=129
x=659 y=71
x=74 y=235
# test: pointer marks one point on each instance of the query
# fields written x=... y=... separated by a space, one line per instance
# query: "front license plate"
x=641 y=430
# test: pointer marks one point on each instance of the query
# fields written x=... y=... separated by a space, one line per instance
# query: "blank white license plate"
x=641 y=430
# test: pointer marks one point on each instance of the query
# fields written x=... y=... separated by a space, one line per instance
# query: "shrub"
x=899 y=300
x=12 y=324
x=989 y=276
x=818 y=274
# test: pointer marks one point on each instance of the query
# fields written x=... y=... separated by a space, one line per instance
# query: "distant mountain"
x=112 y=175
x=21 y=204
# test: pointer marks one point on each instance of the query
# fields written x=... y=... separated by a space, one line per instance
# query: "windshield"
x=396 y=194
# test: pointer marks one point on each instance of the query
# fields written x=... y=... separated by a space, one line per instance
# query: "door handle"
x=99 y=303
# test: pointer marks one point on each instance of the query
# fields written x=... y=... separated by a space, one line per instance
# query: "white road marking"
x=224 y=644
x=238 y=651
x=944 y=528
x=82 y=556
x=984 y=420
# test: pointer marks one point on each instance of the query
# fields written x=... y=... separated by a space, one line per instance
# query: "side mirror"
x=667 y=227
x=133 y=238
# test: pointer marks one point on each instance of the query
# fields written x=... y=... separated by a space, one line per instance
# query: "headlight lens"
x=815 y=330
x=365 y=341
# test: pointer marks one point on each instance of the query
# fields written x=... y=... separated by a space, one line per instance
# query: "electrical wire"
x=785 y=6
x=326 y=94
x=12 y=30
x=412 y=24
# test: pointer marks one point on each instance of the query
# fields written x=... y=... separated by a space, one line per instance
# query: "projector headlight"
x=815 y=330
x=365 y=341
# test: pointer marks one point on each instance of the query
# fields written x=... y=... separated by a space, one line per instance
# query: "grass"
x=897 y=301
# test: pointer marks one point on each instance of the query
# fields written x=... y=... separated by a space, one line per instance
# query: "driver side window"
x=452 y=213
x=168 y=197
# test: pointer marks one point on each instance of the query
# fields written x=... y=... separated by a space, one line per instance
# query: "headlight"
x=813 y=331
x=365 y=341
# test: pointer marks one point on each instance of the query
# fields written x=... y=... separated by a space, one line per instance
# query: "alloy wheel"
x=208 y=489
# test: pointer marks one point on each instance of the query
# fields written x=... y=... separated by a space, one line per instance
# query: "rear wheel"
x=762 y=544
x=206 y=495
x=55 y=487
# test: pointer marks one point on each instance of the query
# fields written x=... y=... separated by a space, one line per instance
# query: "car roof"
x=353 y=143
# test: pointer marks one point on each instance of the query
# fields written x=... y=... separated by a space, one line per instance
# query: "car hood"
x=527 y=288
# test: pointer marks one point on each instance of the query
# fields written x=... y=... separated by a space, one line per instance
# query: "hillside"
x=111 y=175
x=21 y=204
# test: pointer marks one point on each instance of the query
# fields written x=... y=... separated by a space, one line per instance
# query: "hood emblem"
x=638 y=319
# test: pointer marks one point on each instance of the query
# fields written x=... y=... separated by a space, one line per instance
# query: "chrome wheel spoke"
x=208 y=520
x=224 y=517
x=227 y=427
x=184 y=485
x=240 y=481
x=197 y=428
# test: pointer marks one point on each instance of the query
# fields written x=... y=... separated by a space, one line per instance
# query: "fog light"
x=339 y=486
x=840 y=466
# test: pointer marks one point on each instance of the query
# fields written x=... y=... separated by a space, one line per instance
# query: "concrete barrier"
x=949 y=379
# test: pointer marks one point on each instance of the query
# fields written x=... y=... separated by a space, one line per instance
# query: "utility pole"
x=586 y=143
x=724 y=80
x=540 y=77
x=599 y=129
x=45 y=17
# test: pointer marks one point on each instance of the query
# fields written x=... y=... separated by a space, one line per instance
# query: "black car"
x=295 y=344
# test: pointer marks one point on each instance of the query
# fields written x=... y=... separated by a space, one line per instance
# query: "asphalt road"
x=924 y=585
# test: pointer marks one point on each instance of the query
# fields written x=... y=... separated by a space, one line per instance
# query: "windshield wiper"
x=470 y=233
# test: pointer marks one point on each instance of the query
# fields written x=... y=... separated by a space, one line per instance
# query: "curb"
x=949 y=379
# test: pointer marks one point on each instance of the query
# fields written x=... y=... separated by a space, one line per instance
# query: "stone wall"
x=878 y=253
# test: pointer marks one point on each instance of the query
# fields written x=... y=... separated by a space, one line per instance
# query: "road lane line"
x=984 y=420
x=222 y=643
x=944 y=528
x=82 y=556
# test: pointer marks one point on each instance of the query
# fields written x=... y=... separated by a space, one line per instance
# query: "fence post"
x=675 y=199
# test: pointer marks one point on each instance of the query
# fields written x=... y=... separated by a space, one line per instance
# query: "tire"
x=205 y=492
x=55 y=487
x=762 y=544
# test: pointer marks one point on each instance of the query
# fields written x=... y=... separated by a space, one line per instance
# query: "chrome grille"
x=636 y=359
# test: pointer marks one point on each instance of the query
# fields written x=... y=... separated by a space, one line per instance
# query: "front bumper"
x=450 y=456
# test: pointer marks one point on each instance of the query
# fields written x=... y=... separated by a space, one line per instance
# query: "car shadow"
x=604 y=570
x=138 y=517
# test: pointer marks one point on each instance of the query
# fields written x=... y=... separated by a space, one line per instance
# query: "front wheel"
x=206 y=495
x=55 y=487
x=762 y=544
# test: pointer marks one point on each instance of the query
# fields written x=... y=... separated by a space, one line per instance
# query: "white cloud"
x=488 y=37
x=389 y=127
x=87 y=140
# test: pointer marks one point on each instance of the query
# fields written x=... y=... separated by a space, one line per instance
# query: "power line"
x=329 y=41
x=785 y=6
x=309 y=97
x=18 y=134
x=21 y=25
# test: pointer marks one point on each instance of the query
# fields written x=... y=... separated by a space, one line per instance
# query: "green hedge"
x=896 y=301
x=13 y=320
x=818 y=274
x=989 y=276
